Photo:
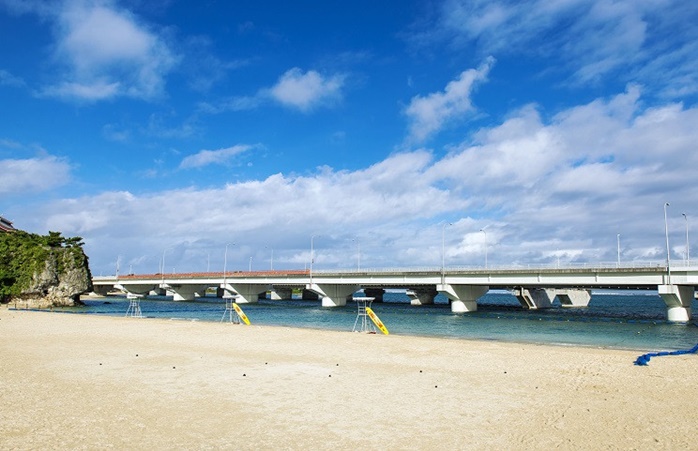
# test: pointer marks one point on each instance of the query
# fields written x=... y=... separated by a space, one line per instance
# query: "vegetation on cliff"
x=48 y=267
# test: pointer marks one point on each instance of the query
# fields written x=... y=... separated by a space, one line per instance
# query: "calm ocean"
x=623 y=320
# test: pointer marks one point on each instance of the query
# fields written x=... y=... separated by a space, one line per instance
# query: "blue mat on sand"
x=644 y=359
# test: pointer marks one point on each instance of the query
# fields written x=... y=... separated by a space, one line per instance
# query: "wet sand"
x=88 y=382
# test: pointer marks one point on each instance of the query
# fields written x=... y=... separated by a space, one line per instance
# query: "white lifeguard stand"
x=229 y=315
x=363 y=323
x=134 y=305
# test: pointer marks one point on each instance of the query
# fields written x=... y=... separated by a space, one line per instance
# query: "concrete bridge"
x=535 y=288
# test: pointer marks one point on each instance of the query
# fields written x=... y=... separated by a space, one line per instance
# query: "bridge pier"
x=140 y=289
x=280 y=293
x=248 y=293
x=421 y=296
x=463 y=297
x=678 y=300
x=186 y=292
x=375 y=293
x=333 y=295
x=309 y=295
x=574 y=298
x=535 y=298
x=101 y=290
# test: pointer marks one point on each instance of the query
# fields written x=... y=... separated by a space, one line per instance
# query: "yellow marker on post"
x=241 y=314
x=377 y=321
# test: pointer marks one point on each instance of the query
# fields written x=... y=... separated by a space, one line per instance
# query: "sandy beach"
x=87 y=382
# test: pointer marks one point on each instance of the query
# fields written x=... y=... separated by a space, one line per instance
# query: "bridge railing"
x=523 y=267
x=450 y=269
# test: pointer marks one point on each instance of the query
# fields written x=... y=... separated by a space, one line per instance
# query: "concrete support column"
x=279 y=293
x=535 y=298
x=463 y=297
x=140 y=289
x=376 y=293
x=333 y=295
x=101 y=290
x=574 y=298
x=187 y=292
x=249 y=293
x=678 y=300
x=421 y=296
x=309 y=295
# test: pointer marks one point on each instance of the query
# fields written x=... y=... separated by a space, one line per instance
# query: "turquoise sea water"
x=624 y=320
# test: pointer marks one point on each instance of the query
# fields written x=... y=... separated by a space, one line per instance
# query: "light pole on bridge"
x=312 y=257
x=618 y=243
x=225 y=264
x=443 y=251
x=271 y=260
x=358 y=253
x=668 y=256
x=688 y=246
x=485 y=232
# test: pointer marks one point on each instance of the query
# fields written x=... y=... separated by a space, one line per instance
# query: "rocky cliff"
x=42 y=271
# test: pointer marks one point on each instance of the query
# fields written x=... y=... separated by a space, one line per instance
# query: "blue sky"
x=171 y=128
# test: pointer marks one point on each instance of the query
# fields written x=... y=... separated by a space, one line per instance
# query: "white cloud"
x=306 y=91
x=241 y=103
x=7 y=79
x=428 y=114
x=105 y=52
x=649 y=42
x=219 y=156
x=23 y=176
x=294 y=89
x=547 y=188
x=91 y=91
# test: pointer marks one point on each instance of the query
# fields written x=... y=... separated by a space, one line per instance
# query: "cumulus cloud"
x=306 y=91
x=32 y=175
x=207 y=157
x=104 y=51
x=548 y=187
x=295 y=89
x=428 y=114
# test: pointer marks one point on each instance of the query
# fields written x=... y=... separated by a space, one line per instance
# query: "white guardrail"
x=530 y=266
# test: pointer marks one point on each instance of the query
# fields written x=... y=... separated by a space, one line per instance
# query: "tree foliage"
x=24 y=254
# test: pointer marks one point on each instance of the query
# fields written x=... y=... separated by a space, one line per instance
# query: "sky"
x=194 y=135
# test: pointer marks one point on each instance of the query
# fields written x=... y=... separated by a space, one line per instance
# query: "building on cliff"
x=5 y=225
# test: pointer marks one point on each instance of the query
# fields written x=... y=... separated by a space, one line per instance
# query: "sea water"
x=620 y=320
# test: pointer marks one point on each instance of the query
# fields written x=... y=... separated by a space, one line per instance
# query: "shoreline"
x=87 y=381
x=637 y=348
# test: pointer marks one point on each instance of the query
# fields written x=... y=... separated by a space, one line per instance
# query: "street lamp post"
x=312 y=258
x=688 y=245
x=666 y=234
x=618 y=242
x=162 y=271
x=485 y=232
x=443 y=251
x=225 y=264
x=249 y=269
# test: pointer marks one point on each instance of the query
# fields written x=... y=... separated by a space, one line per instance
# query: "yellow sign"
x=241 y=314
x=377 y=321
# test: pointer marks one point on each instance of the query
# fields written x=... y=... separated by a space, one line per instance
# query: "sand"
x=88 y=382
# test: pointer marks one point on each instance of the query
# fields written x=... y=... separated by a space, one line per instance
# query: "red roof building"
x=5 y=225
